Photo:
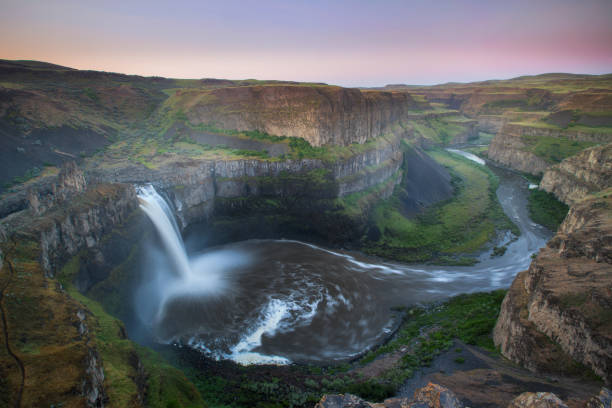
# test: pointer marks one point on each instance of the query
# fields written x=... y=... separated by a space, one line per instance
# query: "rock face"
x=491 y=123
x=430 y=396
x=70 y=181
x=575 y=177
x=80 y=223
x=195 y=185
x=425 y=183
x=509 y=148
x=561 y=306
x=603 y=400
x=537 y=400
x=323 y=115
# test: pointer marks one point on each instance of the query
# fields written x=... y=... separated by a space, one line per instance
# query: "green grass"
x=461 y=225
x=470 y=318
x=477 y=150
x=484 y=138
x=429 y=331
x=538 y=124
x=166 y=386
x=546 y=209
x=593 y=129
x=554 y=149
x=300 y=148
x=438 y=130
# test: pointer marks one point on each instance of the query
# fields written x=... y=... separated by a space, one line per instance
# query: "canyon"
x=271 y=159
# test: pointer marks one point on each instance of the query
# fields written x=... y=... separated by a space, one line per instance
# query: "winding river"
x=281 y=301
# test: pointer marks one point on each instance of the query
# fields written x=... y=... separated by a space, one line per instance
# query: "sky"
x=344 y=42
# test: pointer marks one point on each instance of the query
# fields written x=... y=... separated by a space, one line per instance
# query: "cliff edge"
x=559 y=311
x=575 y=177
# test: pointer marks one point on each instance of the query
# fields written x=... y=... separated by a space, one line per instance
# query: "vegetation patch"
x=165 y=385
x=461 y=225
x=545 y=209
x=438 y=130
x=554 y=149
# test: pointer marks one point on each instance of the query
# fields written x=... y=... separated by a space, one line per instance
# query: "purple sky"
x=350 y=43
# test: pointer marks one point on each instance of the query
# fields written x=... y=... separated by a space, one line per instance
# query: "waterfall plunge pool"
x=282 y=301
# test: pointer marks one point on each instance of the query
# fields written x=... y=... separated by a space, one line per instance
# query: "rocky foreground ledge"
x=436 y=396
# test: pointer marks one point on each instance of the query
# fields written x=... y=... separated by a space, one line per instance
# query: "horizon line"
x=311 y=82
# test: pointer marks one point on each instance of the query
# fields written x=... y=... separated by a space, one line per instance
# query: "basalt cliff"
x=322 y=115
x=575 y=177
x=558 y=312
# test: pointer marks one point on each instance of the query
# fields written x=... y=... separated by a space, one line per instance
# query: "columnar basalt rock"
x=322 y=115
x=508 y=148
x=561 y=306
x=90 y=215
x=575 y=177
x=491 y=123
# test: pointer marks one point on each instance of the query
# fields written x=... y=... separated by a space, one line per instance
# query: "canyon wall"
x=322 y=115
x=514 y=145
x=559 y=310
x=509 y=149
x=587 y=172
x=193 y=185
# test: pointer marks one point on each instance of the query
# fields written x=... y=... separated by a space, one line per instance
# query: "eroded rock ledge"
x=575 y=177
x=322 y=115
x=509 y=146
x=560 y=309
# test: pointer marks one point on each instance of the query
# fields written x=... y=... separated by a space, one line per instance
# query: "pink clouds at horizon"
x=351 y=43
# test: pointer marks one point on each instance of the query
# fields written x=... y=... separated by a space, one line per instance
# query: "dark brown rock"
x=603 y=400
x=430 y=396
x=537 y=400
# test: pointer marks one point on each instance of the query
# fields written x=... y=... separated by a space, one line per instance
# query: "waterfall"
x=158 y=210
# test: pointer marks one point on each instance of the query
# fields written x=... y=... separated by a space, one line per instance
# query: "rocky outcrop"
x=603 y=400
x=322 y=115
x=510 y=146
x=70 y=181
x=425 y=182
x=470 y=130
x=537 y=400
x=68 y=227
x=491 y=123
x=559 y=310
x=430 y=396
x=193 y=185
x=575 y=177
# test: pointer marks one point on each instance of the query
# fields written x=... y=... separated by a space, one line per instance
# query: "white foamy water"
x=161 y=215
x=269 y=323
x=468 y=155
